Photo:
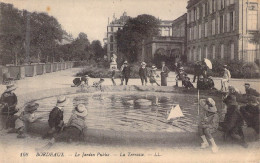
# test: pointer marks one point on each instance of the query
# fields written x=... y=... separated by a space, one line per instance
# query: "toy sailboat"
x=175 y=112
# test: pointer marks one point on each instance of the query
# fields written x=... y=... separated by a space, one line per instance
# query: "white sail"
x=175 y=113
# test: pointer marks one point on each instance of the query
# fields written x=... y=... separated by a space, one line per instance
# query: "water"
x=119 y=112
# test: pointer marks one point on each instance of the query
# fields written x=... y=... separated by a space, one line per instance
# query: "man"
x=164 y=74
x=233 y=121
x=126 y=72
x=251 y=114
x=8 y=102
x=197 y=71
x=143 y=73
x=225 y=80
x=251 y=91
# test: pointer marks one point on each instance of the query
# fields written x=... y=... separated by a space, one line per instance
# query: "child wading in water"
x=208 y=123
x=26 y=117
x=74 y=129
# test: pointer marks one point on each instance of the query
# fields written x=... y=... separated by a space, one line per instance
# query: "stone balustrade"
x=22 y=71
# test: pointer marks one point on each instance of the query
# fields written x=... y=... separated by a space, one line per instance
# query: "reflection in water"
x=121 y=112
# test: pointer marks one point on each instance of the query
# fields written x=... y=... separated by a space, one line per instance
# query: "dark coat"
x=126 y=71
x=55 y=118
x=233 y=118
x=251 y=114
x=252 y=92
x=10 y=99
x=143 y=72
x=165 y=72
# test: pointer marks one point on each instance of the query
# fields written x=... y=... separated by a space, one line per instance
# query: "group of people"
x=233 y=121
x=73 y=130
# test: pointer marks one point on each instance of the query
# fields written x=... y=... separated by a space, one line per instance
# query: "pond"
x=123 y=112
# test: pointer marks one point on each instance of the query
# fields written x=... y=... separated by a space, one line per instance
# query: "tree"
x=130 y=38
x=256 y=38
x=81 y=48
x=12 y=34
x=97 y=50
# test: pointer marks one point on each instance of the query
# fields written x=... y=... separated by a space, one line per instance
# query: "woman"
x=8 y=102
x=208 y=123
x=153 y=76
x=74 y=129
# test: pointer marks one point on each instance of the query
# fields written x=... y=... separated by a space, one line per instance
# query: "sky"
x=91 y=16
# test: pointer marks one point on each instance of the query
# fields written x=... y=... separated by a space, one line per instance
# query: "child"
x=76 y=82
x=74 y=129
x=143 y=72
x=153 y=76
x=208 y=123
x=186 y=82
x=56 y=117
x=113 y=75
x=25 y=118
x=99 y=84
x=84 y=79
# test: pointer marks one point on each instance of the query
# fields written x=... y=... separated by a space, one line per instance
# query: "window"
x=228 y=21
x=213 y=6
x=221 y=24
x=112 y=29
x=198 y=13
x=232 y=20
x=195 y=14
x=232 y=48
x=222 y=51
x=222 y=4
x=206 y=29
x=203 y=10
x=199 y=31
x=213 y=52
x=206 y=52
x=210 y=6
x=213 y=27
x=189 y=54
x=195 y=33
x=194 y=54
x=206 y=9
x=252 y=16
x=231 y=1
x=199 y=55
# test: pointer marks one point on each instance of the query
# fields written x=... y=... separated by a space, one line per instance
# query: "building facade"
x=222 y=29
x=170 y=44
x=112 y=28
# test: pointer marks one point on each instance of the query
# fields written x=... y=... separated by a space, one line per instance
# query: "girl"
x=208 y=123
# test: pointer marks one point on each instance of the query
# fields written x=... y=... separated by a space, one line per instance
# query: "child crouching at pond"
x=25 y=118
x=208 y=123
x=74 y=129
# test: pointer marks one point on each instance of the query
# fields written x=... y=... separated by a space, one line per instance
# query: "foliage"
x=136 y=30
x=256 y=37
x=97 y=49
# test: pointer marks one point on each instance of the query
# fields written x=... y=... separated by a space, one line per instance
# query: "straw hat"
x=61 y=101
x=81 y=110
x=246 y=84
x=31 y=107
x=181 y=68
x=10 y=88
x=212 y=108
x=154 y=67
x=143 y=63
x=125 y=62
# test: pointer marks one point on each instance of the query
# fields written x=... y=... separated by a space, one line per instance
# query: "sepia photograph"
x=130 y=81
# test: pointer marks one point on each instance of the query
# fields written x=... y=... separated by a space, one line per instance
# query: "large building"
x=222 y=29
x=112 y=28
x=171 y=43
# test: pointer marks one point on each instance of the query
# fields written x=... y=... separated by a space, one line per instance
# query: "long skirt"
x=163 y=81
